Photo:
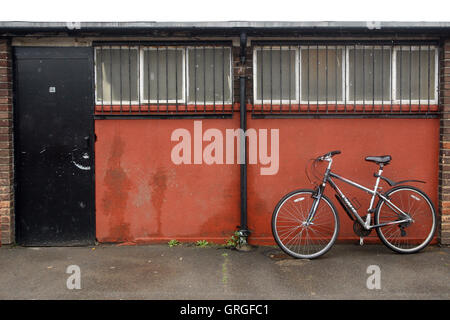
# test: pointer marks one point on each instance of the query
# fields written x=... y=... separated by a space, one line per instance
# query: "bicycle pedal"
x=361 y=241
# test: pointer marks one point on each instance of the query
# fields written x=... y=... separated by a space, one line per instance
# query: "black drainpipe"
x=243 y=228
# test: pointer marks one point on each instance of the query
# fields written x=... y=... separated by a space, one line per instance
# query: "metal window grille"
x=163 y=79
x=345 y=78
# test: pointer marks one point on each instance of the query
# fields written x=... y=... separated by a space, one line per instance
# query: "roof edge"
x=224 y=25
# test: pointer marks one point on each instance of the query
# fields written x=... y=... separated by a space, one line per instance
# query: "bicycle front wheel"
x=294 y=235
x=409 y=237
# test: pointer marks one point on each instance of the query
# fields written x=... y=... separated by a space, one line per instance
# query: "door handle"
x=87 y=139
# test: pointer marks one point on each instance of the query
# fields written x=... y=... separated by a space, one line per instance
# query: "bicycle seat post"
x=380 y=171
x=372 y=200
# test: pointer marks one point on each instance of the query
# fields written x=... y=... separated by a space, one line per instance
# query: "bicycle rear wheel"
x=297 y=238
x=412 y=236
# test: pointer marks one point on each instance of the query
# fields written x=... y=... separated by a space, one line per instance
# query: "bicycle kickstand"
x=361 y=241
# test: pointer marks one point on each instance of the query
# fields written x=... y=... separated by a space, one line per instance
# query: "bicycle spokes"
x=412 y=234
x=299 y=235
x=305 y=222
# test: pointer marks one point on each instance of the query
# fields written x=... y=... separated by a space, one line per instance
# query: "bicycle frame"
x=366 y=224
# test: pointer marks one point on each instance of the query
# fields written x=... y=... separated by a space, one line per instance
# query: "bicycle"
x=305 y=223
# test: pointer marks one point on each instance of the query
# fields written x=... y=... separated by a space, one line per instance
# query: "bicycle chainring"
x=359 y=230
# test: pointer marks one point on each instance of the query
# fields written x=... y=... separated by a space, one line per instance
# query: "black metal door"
x=54 y=146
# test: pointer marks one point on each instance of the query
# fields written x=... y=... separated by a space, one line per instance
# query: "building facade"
x=127 y=132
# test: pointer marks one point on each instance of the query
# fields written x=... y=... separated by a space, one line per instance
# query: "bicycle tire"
x=319 y=227
x=422 y=210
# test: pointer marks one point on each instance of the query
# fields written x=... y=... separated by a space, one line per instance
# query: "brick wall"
x=6 y=146
x=444 y=165
x=247 y=70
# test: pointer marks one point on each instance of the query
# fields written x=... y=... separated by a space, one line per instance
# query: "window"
x=209 y=75
x=415 y=73
x=276 y=78
x=321 y=73
x=116 y=71
x=345 y=74
x=283 y=74
x=369 y=70
x=163 y=75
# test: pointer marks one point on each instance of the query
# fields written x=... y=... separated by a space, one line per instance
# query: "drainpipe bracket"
x=242 y=243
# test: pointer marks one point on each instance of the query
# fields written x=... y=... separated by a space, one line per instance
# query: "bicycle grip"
x=332 y=153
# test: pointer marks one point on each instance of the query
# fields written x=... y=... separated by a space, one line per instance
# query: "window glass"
x=415 y=74
x=369 y=75
x=162 y=74
x=276 y=74
x=116 y=72
x=209 y=75
x=321 y=74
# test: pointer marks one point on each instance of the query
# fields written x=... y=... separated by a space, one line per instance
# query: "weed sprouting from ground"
x=202 y=243
x=173 y=243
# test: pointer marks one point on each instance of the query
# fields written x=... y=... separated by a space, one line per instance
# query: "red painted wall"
x=141 y=196
x=412 y=143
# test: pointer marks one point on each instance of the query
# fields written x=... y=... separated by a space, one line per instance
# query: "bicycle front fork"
x=318 y=195
x=312 y=212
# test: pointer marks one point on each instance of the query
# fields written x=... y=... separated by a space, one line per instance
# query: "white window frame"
x=114 y=102
x=162 y=100
x=229 y=80
x=324 y=102
x=296 y=75
x=185 y=99
x=345 y=65
x=422 y=102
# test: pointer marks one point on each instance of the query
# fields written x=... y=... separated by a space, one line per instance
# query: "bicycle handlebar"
x=329 y=154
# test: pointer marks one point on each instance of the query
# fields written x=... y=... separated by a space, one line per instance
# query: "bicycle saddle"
x=380 y=159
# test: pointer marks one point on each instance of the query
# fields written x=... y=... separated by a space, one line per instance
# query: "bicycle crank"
x=359 y=230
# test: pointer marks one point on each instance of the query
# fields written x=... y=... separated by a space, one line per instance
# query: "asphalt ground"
x=156 y=272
